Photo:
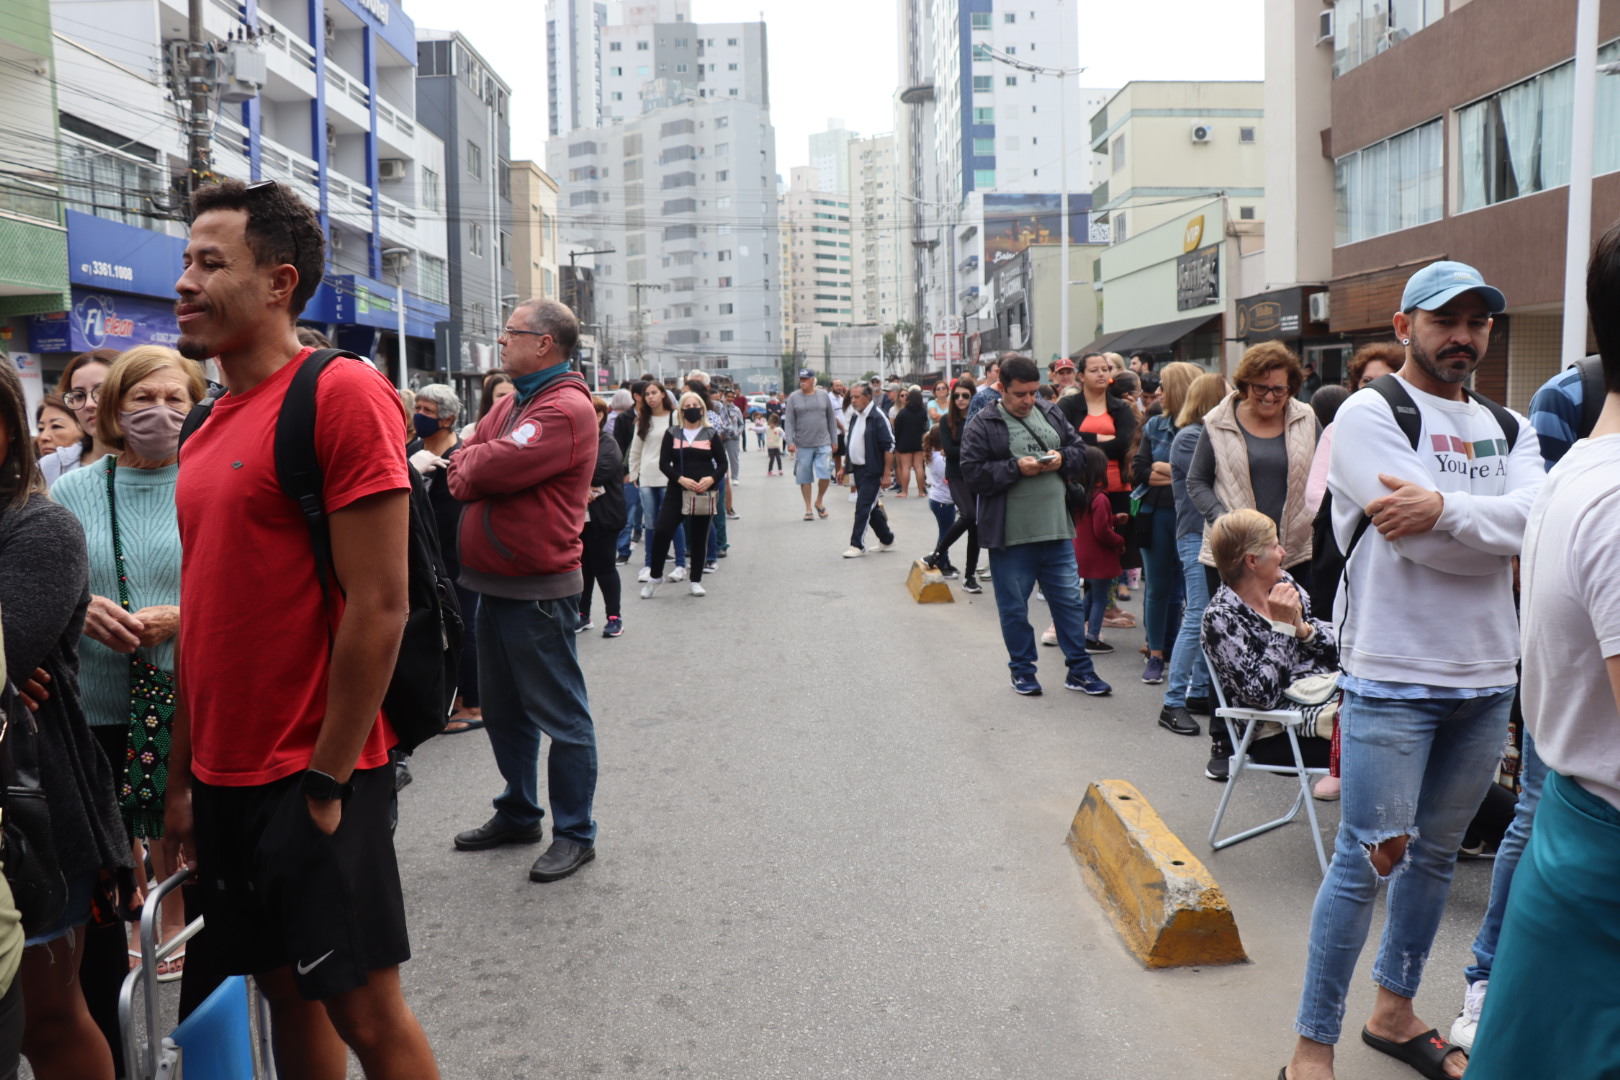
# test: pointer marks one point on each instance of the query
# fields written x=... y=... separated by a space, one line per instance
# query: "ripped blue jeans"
x=1416 y=769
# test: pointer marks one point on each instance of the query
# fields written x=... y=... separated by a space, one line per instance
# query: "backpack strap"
x=1594 y=391
x=1393 y=390
x=1504 y=419
x=297 y=469
x=200 y=412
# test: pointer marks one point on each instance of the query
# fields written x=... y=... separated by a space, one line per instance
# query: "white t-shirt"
x=1570 y=580
x=939 y=490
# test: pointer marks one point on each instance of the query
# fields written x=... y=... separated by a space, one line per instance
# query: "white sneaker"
x=648 y=589
x=1466 y=1026
x=645 y=575
x=854 y=553
x=698 y=590
x=886 y=547
x=677 y=574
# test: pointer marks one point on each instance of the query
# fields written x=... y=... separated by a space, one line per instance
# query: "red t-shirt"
x=253 y=648
x=1103 y=424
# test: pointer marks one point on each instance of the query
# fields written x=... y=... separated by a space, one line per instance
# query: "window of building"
x=1010 y=17
x=475 y=159
x=680 y=69
x=478 y=325
x=1245 y=134
x=723 y=256
x=1011 y=50
x=1517 y=141
x=643 y=70
x=430 y=190
x=1364 y=28
x=101 y=181
x=1120 y=232
x=642 y=46
x=727 y=335
x=723 y=174
x=476 y=238
x=1116 y=153
x=431 y=281
x=1390 y=185
x=985 y=115
x=985 y=178
x=615 y=46
x=983 y=84
x=615 y=71
x=722 y=121
x=981 y=52
x=727 y=309
x=731 y=67
x=723 y=203
x=980 y=20
x=1245 y=213
x=1012 y=80
x=724 y=283
x=732 y=91
x=617 y=96
x=506 y=250
x=984 y=147
x=682 y=43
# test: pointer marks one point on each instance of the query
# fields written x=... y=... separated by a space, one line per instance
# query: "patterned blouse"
x=1256 y=663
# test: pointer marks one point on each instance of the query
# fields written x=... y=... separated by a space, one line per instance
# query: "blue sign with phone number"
x=104 y=321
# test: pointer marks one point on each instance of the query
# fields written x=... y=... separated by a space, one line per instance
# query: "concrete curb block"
x=928 y=586
x=1165 y=905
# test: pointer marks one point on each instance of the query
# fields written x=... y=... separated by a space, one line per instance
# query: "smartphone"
x=1051 y=455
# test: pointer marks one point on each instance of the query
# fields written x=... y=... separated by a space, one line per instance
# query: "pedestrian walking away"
x=525 y=476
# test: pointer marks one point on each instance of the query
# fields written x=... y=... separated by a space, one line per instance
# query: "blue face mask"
x=426 y=426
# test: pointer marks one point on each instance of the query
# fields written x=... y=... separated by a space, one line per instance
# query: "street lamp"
x=1063 y=75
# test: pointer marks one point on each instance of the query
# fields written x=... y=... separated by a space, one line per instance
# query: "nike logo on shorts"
x=305 y=969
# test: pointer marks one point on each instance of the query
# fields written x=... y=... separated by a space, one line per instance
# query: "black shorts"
x=275 y=891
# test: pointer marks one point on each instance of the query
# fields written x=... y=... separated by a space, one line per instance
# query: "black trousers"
x=599 y=565
x=869 y=511
x=670 y=518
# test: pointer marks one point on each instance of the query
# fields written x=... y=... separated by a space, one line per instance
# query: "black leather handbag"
x=27 y=844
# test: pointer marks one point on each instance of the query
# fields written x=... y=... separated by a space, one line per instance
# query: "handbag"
x=27 y=843
x=1318 y=697
x=151 y=716
x=699 y=503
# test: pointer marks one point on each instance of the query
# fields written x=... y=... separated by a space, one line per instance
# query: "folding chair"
x=1291 y=720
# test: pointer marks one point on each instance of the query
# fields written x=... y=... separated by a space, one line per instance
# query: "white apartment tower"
x=829 y=155
x=819 y=264
x=880 y=241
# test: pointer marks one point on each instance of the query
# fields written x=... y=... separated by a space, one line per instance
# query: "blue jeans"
x=1417 y=769
x=1532 y=777
x=945 y=516
x=717 y=526
x=1095 y=605
x=652 y=501
x=1161 y=564
x=632 y=518
x=529 y=676
x=1189 y=677
x=1014 y=573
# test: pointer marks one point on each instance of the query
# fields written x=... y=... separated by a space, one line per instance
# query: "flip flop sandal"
x=471 y=725
x=1426 y=1053
x=808 y=516
x=821 y=511
x=173 y=968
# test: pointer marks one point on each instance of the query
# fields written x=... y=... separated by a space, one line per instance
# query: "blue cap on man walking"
x=1439 y=283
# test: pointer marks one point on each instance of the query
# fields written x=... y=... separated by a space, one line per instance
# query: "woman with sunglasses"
x=80 y=390
x=1255 y=454
x=949 y=436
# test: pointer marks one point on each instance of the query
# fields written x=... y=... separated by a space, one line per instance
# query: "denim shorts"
x=812 y=463
x=75 y=913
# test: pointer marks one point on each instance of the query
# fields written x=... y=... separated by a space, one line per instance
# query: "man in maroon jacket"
x=525 y=476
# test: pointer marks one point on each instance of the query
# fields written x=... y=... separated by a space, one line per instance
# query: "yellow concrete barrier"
x=1160 y=898
x=928 y=586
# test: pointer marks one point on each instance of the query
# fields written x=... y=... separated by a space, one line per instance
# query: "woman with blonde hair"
x=1186 y=688
x=1156 y=517
x=693 y=461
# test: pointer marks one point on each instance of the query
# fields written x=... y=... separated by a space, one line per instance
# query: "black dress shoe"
x=562 y=858
x=494 y=833
x=1178 y=721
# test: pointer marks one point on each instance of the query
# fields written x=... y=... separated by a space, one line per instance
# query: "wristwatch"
x=318 y=785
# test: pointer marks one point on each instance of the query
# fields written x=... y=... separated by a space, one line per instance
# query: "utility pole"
x=641 y=333
x=201 y=167
x=573 y=278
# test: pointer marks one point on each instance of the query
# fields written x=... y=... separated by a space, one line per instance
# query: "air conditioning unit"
x=390 y=169
x=1324 y=27
x=1319 y=307
x=1202 y=132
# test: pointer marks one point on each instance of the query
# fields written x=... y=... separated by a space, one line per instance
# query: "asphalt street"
x=831 y=844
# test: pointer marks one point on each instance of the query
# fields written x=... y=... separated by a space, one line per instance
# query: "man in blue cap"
x=1431 y=487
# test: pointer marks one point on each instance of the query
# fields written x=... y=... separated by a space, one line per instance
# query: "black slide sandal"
x=1426 y=1053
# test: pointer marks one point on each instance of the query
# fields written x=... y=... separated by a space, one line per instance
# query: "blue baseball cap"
x=806 y=373
x=1439 y=283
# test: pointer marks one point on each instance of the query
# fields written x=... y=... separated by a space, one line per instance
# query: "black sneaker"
x=1178 y=721
x=930 y=561
x=1220 y=760
x=970 y=584
x=1098 y=648
x=949 y=572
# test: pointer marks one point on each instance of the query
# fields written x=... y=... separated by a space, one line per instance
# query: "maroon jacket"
x=1096 y=544
x=525 y=476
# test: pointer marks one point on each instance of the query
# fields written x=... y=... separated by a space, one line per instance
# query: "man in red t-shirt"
x=280 y=790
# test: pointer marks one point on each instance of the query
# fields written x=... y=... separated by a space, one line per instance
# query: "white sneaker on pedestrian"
x=1466 y=1026
x=677 y=574
x=854 y=553
x=648 y=589
x=886 y=547
x=645 y=575
x=698 y=590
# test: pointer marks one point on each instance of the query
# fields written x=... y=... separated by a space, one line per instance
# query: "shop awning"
x=1159 y=337
x=1102 y=344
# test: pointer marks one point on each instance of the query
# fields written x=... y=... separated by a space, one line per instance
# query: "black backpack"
x=422 y=689
x=1327 y=561
x=1594 y=392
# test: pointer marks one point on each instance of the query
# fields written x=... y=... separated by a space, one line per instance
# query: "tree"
x=790 y=373
x=909 y=345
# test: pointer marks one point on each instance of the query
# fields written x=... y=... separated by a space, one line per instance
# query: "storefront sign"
x=106 y=254
x=104 y=321
x=1013 y=222
x=1198 y=279
x=1269 y=316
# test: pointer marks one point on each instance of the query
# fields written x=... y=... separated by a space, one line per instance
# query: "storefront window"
x=1390 y=185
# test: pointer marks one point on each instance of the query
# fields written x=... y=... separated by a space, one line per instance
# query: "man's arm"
x=177 y=822
x=502 y=466
x=984 y=475
x=787 y=425
x=369 y=538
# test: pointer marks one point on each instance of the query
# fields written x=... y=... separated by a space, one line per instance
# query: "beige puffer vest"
x=1232 y=484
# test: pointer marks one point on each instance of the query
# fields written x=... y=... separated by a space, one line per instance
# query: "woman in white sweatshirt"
x=653 y=410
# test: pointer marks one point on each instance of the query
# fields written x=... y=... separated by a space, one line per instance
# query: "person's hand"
x=1120 y=519
x=326 y=813
x=1051 y=463
x=426 y=461
x=110 y=624
x=793 y=448
x=159 y=623
x=1030 y=466
x=687 y=483
x=838 y=475
x=1284 y=602
x=1410 y=511
x=33 y=691
x=704 y=484
x=1160 y=475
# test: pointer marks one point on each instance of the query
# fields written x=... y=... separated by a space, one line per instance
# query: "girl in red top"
x=1097 y=545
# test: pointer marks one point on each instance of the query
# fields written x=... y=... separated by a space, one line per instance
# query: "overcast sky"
x=837 y=58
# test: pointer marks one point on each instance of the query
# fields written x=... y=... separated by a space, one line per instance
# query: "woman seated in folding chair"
x=1258 y=630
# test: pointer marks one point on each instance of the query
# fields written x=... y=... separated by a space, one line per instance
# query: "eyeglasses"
x=1278 y=392
x=272 y=190
x=507 y=331
x=75 y=399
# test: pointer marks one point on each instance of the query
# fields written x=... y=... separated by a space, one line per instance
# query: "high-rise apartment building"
x=674 y=186
x=534 y=231
x=829 y=156
x=880 y=244
x=817 y=226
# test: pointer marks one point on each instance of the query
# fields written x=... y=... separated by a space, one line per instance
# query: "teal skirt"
x=1553 y=1007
